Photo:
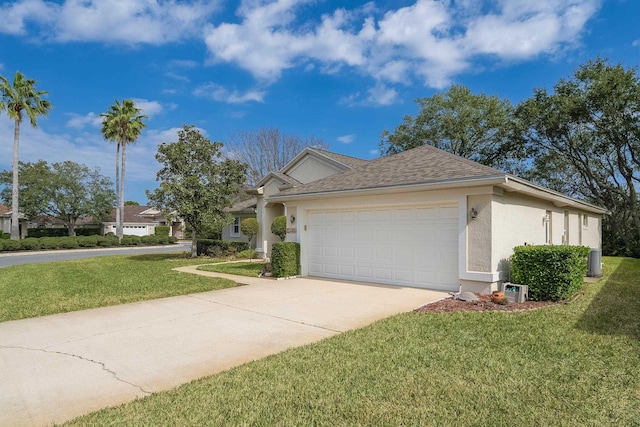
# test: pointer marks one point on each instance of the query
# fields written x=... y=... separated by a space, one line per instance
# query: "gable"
x=311 y=167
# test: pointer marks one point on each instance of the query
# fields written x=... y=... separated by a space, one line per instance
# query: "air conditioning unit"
x=594 y=263
x=515 y=293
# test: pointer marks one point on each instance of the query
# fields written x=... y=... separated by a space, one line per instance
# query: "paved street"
x=19 y=258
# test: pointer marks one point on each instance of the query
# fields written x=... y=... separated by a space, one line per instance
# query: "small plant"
x=250 y=228
x=247 y=254
x=279 y=227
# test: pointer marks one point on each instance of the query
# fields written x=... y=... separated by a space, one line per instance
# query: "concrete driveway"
x=55 y=368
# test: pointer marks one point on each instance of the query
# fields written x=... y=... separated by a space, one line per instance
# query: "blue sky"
x=340 y=71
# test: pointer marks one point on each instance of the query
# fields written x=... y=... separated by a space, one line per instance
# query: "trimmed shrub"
x=279 y=227
x=108 y=240
x=87 y=241
x=249 y=227
x=285 y=259
x=551 y=272
x=162 y=230
x=68 y=243
x=30 y=244
x=11 y=245
x=88 y=231
x=173 y=240
x=163 y=240
x=149 y=240
x=247 y=254
x=222 y=247
x=5 y=236
x=48 y=232
x=49 y=242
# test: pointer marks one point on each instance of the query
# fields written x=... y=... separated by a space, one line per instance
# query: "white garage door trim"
x=406 y=246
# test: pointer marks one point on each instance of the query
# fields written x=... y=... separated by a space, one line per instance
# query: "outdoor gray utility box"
x=515 y=293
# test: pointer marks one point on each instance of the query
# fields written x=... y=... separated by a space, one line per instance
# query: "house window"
x=565 y=236
x=585 y=221
x=235 y=227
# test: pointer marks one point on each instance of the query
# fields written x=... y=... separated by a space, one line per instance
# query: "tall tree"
x=584 y=139
x=477 y=127
x=122 y=124
x=267 y=150
x=18 y=99
x=196 y=182
x=67 y=191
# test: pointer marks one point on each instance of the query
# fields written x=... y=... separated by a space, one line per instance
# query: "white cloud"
x=183 y=63
x=346 y=139
x=149 y=108
x=79 y=122
x=128 y=22
x=381 y=95
x=634 y=43
x=222 y=94
x=430 y=40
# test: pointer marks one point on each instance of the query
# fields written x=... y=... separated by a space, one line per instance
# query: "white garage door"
x=415 y=246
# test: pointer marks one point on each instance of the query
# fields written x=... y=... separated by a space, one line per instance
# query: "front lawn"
x=250 y=269
x=40 y=289
x=570 y=364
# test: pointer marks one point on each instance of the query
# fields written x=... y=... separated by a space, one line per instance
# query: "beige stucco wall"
x=479 y=233
x=226 y=230
x=311 y=168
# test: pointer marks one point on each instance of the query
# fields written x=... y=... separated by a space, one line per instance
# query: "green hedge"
x=67 y=242
x=30 y=244
x=551 y=272
x=219 y=248
x=11 y=245
x=162 y=230
x=285 y=259
x=61 y=232
x=4 y=236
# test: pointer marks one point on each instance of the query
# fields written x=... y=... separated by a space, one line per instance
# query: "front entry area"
x=406 y=246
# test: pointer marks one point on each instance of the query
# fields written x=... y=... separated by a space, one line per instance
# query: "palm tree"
x=122 y=124
x=18 y=99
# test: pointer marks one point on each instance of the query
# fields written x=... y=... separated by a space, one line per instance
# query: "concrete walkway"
x=55 y=368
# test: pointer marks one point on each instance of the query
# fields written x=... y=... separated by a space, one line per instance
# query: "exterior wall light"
x=292 y=219
x=473 y=213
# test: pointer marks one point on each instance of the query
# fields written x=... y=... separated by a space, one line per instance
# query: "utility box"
x=594 y=263
x=515 y=293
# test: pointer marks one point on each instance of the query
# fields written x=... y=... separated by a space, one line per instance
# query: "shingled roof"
x=352 y=162
x=422 y=165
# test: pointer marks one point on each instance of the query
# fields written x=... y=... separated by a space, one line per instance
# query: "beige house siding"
x=479 y=233
x=226 y=231
x=311 y=168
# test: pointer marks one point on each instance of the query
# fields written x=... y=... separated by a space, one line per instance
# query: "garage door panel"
x=415 y=246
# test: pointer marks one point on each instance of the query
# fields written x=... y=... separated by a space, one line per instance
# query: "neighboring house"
x=240 y=210
x=142 y=221
x=423 y=218
x=5 y=220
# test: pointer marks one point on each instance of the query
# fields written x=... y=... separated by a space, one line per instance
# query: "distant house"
x=423 y=218
x=142 y=221
x=5 y=220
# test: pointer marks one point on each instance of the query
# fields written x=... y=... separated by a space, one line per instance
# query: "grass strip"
x=249 y=269
x=572 y=364
x=40 y=289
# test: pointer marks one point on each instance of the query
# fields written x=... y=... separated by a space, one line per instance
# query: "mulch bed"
x=449 y=305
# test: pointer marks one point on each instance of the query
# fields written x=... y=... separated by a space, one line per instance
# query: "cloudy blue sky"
x=337 y=70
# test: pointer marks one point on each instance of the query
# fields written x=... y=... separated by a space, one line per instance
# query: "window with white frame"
x=235 y=227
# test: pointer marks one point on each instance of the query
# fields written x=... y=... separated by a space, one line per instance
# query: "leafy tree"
x=196 y=182
x=249 y=228
x=67 y=190
x=279 y=227
x=584 y=139
x=18 y=99
x=477 y=127
x=267 y=150
x=131 y=203
x=122 y=124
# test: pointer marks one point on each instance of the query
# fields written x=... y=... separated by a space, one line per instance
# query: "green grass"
x=40 y=289
x=250 y=269
x=570 y=364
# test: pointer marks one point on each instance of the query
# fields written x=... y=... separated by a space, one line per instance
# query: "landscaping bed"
x=449 y=305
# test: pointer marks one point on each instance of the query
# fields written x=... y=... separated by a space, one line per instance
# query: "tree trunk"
x=117 y=186
x=72 y=228
x=15 y=224
x=194 y=245
x=124 y=161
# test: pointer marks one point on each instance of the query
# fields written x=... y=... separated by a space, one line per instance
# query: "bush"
x=247 y=254
x=162 y=230
x=129 y=240
x=68 y=243
x=173 y=240
x=550 y=272
x=279 y=227
x=108 y=240
x=285 y=259
x=5 y=236
x=224 y=247
x=163 y=240
x=11 y=245
x=88 y=231
x=30 y=244
x=87 y=241
x=47 y=232
x=49 y=242
x=149 y=240
x=249 y=227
